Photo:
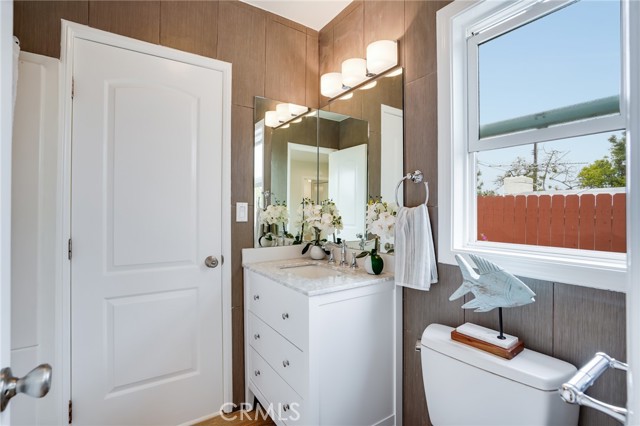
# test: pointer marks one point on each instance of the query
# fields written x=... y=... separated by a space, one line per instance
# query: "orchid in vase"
x=318 y=221
x=270 y=218
x=381 y=221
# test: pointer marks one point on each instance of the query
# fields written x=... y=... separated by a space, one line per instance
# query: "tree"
x=605 y=172
x=480 y=186
x=551 y=172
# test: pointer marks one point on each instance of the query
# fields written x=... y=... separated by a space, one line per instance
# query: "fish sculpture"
x=492 y=286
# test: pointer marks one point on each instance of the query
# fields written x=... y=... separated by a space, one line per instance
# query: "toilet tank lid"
x=529 y=367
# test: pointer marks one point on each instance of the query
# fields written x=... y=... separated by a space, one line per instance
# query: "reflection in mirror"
x=349 y=151
x=285 y=167
x=368 y=161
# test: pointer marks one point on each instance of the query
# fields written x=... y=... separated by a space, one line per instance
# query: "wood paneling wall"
x=568 y=322
x=270 y=55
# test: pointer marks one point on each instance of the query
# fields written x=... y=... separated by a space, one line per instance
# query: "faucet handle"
x=332 y=260
x=354 y=261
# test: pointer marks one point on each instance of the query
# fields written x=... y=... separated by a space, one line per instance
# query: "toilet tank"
x=467 y=386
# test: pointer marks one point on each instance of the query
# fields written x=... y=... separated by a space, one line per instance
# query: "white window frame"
x=456 y=177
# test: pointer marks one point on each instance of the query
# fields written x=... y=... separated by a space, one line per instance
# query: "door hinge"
x=69 y=249
x=70 y=412
x=73 y=87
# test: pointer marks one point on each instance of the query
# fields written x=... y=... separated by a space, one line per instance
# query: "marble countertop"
x=288 y=273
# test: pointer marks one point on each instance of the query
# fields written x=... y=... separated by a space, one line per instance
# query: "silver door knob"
x=211 y=262
x=36 y=384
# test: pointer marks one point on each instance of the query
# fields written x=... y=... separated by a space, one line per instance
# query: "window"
x=532 y=125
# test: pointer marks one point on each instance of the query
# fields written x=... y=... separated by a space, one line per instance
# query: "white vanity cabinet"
x=321 y=356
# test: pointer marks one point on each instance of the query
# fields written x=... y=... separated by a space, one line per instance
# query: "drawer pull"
x=285 y=407
x=285 y=363
x=257 y=373
x=256 y=336
x=285 y=316
x=256 y=297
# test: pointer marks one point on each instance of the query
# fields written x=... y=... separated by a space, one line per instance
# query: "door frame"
x=631 y=108
x=72 y=31
x=6 y=130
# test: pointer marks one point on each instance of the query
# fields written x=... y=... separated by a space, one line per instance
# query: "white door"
x=146 y=325
x=6 y=97
x=348 y=176
x=391 y=153
x=33 y=234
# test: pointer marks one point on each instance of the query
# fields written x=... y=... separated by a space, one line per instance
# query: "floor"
x=239 y=418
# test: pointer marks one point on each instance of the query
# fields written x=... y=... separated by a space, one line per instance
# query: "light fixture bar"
x=382 y=55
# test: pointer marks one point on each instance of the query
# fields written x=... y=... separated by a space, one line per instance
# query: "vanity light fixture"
x=354 y=72
x=331 y=84
x=370 y=85
x=381 y=56
x=271 y=119
x=297 y=110
x=284 y=114
x=394 y=73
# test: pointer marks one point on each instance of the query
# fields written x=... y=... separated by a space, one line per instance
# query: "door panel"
x=146 y=212
x=391 y=150
x=152 y=215
x=33 y=230
x=348 y=177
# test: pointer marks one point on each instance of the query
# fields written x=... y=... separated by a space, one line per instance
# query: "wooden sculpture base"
x=488 y=347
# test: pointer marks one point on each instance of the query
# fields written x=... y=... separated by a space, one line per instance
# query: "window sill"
x=607 y=271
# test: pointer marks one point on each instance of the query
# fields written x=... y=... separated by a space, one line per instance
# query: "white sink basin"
x=311 y=271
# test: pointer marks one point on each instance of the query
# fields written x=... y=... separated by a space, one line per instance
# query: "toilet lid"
x=529 y=367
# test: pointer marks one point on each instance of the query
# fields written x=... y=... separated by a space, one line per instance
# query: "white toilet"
x=467 y=386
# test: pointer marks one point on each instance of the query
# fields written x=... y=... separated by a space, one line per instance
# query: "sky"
x=567 y=57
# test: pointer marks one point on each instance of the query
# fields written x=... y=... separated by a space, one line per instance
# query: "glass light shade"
x=271 y=119
x=369 y=85
x=346 y=97
x=296 y=110
x=331 y=84
x=394 y=73
x=283 y=112
x=381 y=55
x=354 y=71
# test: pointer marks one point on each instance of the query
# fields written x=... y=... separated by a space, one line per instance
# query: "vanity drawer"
x=283 y=402
x=285 y=310
x=286 y=359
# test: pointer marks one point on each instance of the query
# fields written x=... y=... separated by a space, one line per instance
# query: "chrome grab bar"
x=573 y=391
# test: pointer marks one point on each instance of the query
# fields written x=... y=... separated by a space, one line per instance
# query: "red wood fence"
x=586 y=221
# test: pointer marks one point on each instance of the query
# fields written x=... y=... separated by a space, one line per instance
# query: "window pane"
x=566 y=193
x=562 y=67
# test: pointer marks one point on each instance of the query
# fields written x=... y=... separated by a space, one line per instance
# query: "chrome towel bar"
x=415 y=177
x=573 y=391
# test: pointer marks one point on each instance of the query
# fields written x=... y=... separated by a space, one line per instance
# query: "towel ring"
x=415 y=177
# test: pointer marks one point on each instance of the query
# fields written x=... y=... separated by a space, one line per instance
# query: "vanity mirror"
x=348 y=151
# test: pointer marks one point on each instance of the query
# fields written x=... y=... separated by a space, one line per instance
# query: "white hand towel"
x=415 y=258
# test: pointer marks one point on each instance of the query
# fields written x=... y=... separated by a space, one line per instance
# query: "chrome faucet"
x=363 y=240
x=343 y=252
x=354 y=261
